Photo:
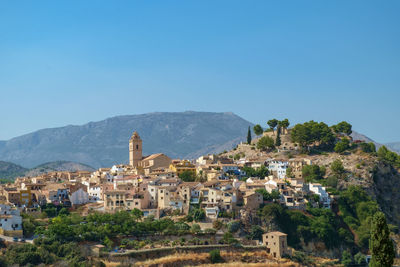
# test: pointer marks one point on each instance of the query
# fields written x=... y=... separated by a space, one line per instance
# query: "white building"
x=117 y=169
x=204 y=160
x=319 y=190
x=95 y=192
x=10 y=221
x=78 y=196
x=278 y=167
x=212 y=212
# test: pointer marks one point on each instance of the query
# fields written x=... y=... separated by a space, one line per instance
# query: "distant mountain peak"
x=103 y=143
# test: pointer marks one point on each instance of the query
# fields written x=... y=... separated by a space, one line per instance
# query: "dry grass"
x=176 y=259
x=269 y=264
x=257 y=258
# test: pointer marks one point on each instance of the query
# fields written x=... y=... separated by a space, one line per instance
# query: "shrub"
x=215 y=256
x=368 y=147
x=234 y=226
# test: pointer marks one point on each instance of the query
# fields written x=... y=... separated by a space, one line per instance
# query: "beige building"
x=276 y=243
x=153 y=162
x=117 y=200
x=252 y=200
x=135 y=149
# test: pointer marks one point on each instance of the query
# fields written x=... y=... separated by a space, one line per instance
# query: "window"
x=137 y=146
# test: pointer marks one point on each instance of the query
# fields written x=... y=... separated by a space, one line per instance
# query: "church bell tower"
x=135 y=149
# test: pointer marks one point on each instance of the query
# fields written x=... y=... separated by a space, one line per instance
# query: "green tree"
x=272 y=123
x=381 y=246
x=278 y=137
x=195 y=229
x=285 y=123
x=108 y=243
x=261 y=172
x=258 y=130
x=346 y=260
x=137 y=214
x=28 y=227
x=313 y=133
x=343 y=127
x=337 y=168
x=388 y=156
x=249 y=136
x=198 y=214
x=256 y=232
x=187 y=176
x=360 y=259
x=313 y=172
x=63 y=211
x=342 y=145
x=265 y=143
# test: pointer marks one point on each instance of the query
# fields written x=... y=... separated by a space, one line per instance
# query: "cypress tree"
x=249 y=136
x=380 y=244
x=278 y=137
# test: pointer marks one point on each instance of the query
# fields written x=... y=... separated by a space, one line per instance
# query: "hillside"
x=10 y=170
x=360 y=181
x=104 y=143
x=58 y=166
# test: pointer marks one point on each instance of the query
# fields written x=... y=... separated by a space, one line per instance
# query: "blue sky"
x=71 y=62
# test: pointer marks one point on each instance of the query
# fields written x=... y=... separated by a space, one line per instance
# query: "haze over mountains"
x=104 y=143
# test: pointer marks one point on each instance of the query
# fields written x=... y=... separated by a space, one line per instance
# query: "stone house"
x=276 y=243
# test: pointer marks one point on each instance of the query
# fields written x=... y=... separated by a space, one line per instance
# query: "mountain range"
x=104 y=143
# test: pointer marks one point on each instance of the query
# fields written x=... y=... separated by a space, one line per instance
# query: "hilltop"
x=377 y=176
x=10 y=170
x=104 y=143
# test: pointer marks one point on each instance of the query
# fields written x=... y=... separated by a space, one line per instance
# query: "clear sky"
x=71 y=62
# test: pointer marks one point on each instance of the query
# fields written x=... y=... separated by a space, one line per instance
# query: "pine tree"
x=380 y=244
x=249 y=136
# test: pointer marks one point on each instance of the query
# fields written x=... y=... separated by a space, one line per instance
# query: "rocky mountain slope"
x=104 y=143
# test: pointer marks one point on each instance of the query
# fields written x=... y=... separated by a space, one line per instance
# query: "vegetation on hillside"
x=10 y=170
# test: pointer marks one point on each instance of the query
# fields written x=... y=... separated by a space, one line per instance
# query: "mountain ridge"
x=178 y=134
